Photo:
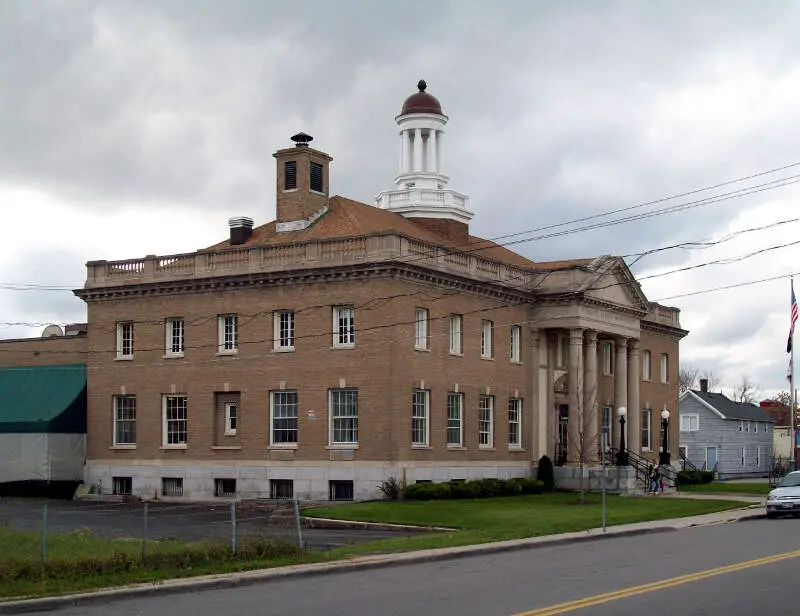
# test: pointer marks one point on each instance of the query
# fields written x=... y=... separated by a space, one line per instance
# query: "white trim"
x=515 y=344
x=456 y=325
x=487 y=332
x=684 y=418
x=289 y=444
x=337 y=331
x=277 y=338
x=460 y=444
x=649 y=414
x=119 y=341
x=169 y=326
x=421 y=334
x=231 y=406
x=703 y=402
x=426 y=400
x=115 y=419
x=518 y=410
x=164 y=423
x=490 y=432
x=222 y=349
x=341 y=444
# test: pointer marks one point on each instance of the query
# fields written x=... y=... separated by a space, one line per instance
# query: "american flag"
x=793 y=320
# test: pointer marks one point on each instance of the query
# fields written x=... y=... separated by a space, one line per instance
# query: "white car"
x=785 y=498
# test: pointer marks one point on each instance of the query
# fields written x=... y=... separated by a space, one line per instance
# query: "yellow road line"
x=570 y=606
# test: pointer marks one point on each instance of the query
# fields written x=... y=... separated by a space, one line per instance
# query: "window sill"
x=486 y=448
x=487 y=358
x=226 y=447
x=173 y=356
x=340 y=446
x=456 y=354
x=281 y=447
x=123 y=358
x=516 y=448
x=230 y=433
x=343 y=346
x=289 y=190
x=422 y=349
x=173 y=447
x=122 y=447
x=420 y=446
x=283 y=349
x=227 y=353
x=317 y=192
x=516 y=362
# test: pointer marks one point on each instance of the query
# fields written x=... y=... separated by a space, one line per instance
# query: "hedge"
x=690 y=478
x=478 y=488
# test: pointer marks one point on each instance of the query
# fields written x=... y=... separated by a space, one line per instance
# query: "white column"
x=575 y=396
x=432 y=151
x=439 y=151
x=591 y=417
x=402 y=167
x=621 y=387
x=417 y=166
x=409 y=151
x=634 y=408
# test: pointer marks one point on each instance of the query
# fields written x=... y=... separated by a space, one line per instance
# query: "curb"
x=382 y=561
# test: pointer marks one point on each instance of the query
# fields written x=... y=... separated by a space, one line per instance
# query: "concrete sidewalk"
x=229 y=580
x=745 y=498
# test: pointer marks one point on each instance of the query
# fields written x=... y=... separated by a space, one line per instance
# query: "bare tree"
x=589 y=433
x=745 y=391
x=687 y=378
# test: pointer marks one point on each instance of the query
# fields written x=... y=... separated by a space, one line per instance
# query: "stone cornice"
x=386 y=269
x=567 y=299
x=664 y=330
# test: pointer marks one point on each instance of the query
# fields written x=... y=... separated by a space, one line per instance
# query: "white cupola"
x=421 y=186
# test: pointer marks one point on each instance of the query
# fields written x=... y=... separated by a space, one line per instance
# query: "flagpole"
x=792 y=432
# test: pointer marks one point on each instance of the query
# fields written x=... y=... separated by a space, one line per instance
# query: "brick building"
x=344 y=343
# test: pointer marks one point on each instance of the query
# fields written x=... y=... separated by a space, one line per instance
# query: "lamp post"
x=622 y=455
x=664 y=457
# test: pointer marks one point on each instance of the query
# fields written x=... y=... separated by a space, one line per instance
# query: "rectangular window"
x=419 y=417
x=562 y=351
x=486 y=339
x=421 y=328
x=516 y=337
x=284 y=330
x=344 y=326
x=344 y=416
x=174 y=343
x=690 y=422
x=124 y=420
x=747 y=426
x=647 y=415
x=486 y=422
x=172 y=486
x=175 y=421
x=284 y=417
x=758 y=457
x=743 y=456
x=231 y=418
x=125 y=340
x=281 y=488
x=315 y=174
x=340 y=490
x=647 y=368
x=515 y=422
x=455 y=425
x=664 y=368
x=225 y=487
x=122 y=486
x=228 y=333
x=456 y=344
x=608 y=358
x=290 y=175
x=608 y=413
x=741 y=426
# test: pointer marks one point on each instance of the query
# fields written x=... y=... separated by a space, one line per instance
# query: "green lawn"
x=730 y=487
x=79 y=561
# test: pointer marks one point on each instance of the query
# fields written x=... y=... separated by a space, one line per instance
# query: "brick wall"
x=43 y=351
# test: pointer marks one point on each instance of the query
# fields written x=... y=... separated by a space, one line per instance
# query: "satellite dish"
x=52 y=331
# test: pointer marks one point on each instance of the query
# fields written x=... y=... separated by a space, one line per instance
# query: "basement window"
x=290 y=175
x=315 y=173
x=225 y=487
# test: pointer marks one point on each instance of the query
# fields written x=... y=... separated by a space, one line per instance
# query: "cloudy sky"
x=133 y=128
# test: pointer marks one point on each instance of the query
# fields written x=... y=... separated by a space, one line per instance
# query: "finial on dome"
x=422 y=85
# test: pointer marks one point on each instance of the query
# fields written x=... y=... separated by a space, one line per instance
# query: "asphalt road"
x=530 y=582
x=190 y=522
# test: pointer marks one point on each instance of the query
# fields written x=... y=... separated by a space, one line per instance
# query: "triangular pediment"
x=610 y=280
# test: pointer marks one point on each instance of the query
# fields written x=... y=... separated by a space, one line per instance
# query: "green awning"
x=41 y=399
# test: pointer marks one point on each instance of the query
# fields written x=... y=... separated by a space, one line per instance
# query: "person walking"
x=651 y=479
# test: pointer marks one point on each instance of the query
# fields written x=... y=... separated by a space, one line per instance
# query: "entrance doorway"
x=562 y=443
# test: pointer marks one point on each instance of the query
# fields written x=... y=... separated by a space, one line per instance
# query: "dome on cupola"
x=422 y=102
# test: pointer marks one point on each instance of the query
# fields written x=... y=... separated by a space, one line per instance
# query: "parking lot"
x=188 y=522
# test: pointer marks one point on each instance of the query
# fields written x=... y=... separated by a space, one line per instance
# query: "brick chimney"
x=704 y=385
x=302 y=184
